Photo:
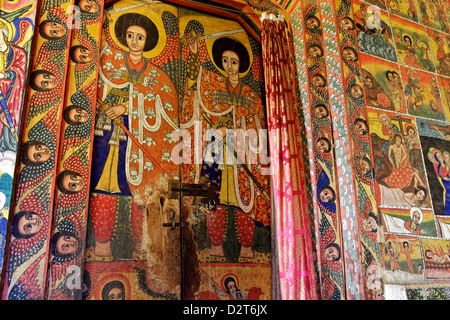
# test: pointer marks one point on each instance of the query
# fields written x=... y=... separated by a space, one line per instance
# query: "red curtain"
x=294 y=252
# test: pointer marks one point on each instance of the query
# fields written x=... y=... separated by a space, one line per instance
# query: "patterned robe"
x=120 y=168
x=234 y=108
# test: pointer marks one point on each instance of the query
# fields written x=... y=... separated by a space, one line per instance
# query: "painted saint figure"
x=442 y=173
x=228 y=103
x=231 y=289
x=403 y=174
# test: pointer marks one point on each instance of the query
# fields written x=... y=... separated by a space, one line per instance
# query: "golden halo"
x=153 y=15
x=229 y=275
x=410 y=125
x=213 y=26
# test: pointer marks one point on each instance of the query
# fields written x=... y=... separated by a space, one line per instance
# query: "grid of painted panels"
x=402 y=61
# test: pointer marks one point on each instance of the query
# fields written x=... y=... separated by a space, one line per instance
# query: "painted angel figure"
x=403 y=173
x=216 y=94
x=396 y=89
x=13 y=61
x=136 y=93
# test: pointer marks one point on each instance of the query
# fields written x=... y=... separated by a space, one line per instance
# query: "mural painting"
x=435 y=146
x=440 y=49
x=395 y=83
x=414 y=220
x=427 y=292
x=374 y=32
x=131 y=162
x=397 y=159
x=16 y=30
x=443 y=225
x=403 y=8
x=27 y=261
x=149 y=170
x=436 y=258
x=402 y=259
x=142 y=159
x=422 y=94
x=383 y=86
x=444 y=87
x=68 y=238
x=227 y=282
x=367 y=282
x=432 y=14
x=411 y=43
x=223 y=100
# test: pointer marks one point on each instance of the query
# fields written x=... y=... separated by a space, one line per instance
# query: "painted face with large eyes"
x=73 y=182
x=368 y=82
x=30 y=224
x=54 y=29
x=83 y=55
x=361 y=127
x=370 y=224
x=315 y=51
x=230 y=62
x=320 y=112
x=46 y=81
x=38 y=153
x=326 y=195
x=323 y=145
x=407 y=41
x=356 y=91
x=349 y=55
x=88 y=6
x=231 y=286
x=67 y=245
x=318 y=81
x=331 y=253
x=78 y=115
x=416 y=218
x=136 y=38
x=346 y=24
x=312 y=23
x=364 y=167
x=421 y=195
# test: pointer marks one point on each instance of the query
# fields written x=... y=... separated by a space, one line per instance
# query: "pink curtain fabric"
x=293 y=234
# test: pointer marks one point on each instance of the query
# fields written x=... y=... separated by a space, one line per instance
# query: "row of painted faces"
x=27 y=223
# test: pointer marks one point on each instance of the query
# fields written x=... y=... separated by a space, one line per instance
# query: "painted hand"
x=115 y=111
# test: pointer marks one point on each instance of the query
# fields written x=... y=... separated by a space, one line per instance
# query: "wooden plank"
x=27 y=261
x=71 y=209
